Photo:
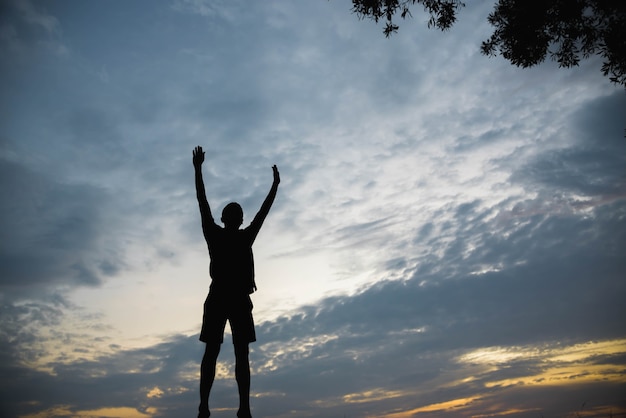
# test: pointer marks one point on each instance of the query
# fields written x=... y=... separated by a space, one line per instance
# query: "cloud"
x=26 y=29
x=552 y=306
x=80 y=385
x=595 y=164
x=52 y=232
x=37 y=17
x=536 y=296
x=209 y=9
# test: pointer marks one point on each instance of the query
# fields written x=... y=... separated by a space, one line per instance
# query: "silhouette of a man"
x=232 y=274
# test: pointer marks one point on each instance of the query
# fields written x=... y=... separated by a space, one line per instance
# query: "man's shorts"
x=237 y=310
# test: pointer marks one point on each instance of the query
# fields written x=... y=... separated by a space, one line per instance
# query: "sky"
x=448 y=237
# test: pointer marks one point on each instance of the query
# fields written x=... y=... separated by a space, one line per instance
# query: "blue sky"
x=448 y=238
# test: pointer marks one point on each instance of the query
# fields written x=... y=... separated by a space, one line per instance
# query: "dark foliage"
x=528 y=31
x=442 y=12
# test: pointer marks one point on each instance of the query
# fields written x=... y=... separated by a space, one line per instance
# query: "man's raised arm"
x=255 y=226
x=205 y=210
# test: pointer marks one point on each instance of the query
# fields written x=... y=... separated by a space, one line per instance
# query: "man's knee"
x=211 y=351
x=241 y=351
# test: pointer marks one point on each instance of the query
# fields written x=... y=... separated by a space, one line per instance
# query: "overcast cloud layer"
x=448 y=237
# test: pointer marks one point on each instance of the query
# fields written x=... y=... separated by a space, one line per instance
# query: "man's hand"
x=276 y=175
x=198 y=157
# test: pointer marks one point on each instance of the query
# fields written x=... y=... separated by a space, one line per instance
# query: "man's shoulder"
x=231 y=237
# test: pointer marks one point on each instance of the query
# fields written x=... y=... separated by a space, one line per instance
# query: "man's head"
x=232 y=215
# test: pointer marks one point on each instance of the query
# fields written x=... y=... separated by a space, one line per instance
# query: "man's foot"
x=203 y=412
x=244 y=414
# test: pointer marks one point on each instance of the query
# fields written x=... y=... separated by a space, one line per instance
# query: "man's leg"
x=207 y=375
x=242 y=374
